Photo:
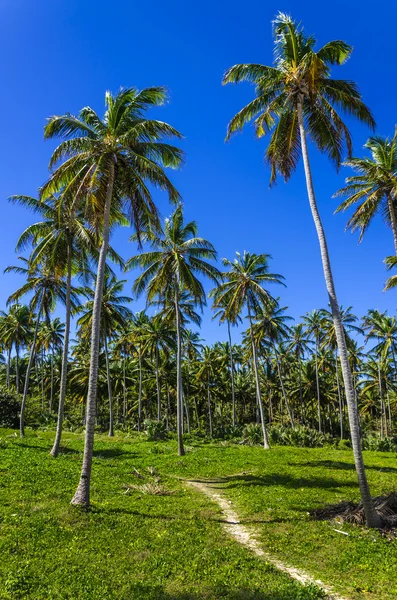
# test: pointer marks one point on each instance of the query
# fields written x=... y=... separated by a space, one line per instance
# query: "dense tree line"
x=331 y=371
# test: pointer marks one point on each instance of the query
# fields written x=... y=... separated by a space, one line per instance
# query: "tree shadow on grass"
x=292 y=590
x=282 y=480
x=344 y=466
x=113 y=453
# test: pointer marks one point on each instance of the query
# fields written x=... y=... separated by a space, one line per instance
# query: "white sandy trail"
x=242 y=534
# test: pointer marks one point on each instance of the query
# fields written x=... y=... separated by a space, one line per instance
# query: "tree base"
x=82 y=495
x=350 y=512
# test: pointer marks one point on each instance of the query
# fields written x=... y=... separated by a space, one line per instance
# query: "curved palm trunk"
x=232 y=375
x=179 y=407
x=257 y=383
x=82 y=495
x=318 y=389
x=158 y=385
x=393 y=220
x=30 y=364
x=372 y=518
x=62 y=391
x=110 y=391
x=140 y=390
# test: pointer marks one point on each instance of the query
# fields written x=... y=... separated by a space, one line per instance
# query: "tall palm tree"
x=299 y=345
x=15 y=332
x=294 y=98
x=64 y=239
x=241 y=288
x=45 y=285
x=374 y=187
x=314 y=323
x=50 y=338
x=177 y=258
x=114 y=315
x=110 y=162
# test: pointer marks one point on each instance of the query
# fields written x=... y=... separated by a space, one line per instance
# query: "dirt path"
x=243 y=535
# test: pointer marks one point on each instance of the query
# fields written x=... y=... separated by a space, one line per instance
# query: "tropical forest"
x=173 y=425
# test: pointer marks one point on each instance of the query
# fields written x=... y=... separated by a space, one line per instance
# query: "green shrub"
x=155 y=430
x=375 y=442
x=9 y=409
x=300 y=436
x=252 y=434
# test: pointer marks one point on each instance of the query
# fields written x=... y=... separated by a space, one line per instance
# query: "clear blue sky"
x=58 y=56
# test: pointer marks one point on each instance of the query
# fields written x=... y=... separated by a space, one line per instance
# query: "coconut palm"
x=294 y=98
x=299 y=345
x=46 y=286
x=51 y=338
x=114 y=314
x=15 y=332
x=243 y=288
x=374 y=187
x=173 y=266
x=110 y=162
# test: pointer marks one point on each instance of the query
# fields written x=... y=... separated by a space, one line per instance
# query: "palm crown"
x=300 y=76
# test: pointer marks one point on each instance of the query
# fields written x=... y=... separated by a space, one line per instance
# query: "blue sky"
x=58 y=56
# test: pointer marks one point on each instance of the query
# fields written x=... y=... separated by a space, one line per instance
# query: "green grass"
x=141 y=546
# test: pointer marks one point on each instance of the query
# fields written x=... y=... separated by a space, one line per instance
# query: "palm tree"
x=15 y=331
x=178 y=256
x=243 y=287
x=46 y=286
x=50 y=338
x=294 y=98
x=299 y=345
x=114 y=315
x=374 y=187
x=103 y=163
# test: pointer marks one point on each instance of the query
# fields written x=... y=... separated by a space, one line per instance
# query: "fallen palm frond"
x=350 y=512
x=153 y=489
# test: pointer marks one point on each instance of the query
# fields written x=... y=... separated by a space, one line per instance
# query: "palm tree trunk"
x=110 y=391
x=187 y=411
x=232 y=375
x=140 y=390
x=339 y=397
x=158 y=386
x=124 y=393
x=17 y=367
x=257 y=382
x=318 y=389
x=393 y=220
x=8 y=367
x=82 y=495
x=179 y=408
x=30 y=363
x=52 y=379
x=209 y=407
x=64 y=368
x=42 y=378
x=372 y=518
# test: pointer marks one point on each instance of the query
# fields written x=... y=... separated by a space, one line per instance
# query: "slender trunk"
x=232 y=375
x=389 y=409
x=110 y=391
x=393 y=220
x=167 y=412
x=318 y=389
x=372 y=518
x=17 y=367
x=187 y=412
x=52 y=379
x=8 y=367
x=300 y=390
x=209 y=407
x=257 y=382
x=382 y=420
x=30 y=364
x=339 y=397
x=158 y=386
x=64 y=367
x=140 y=390
x=82 y=495
x=179 y=408
x=124 y=393
x=291 y=418
x=42 y=379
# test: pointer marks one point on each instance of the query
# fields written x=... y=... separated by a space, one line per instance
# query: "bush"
x=300 y=436
x=155 y=430
x=9 y=409
x=252 y=434
x=375 y=442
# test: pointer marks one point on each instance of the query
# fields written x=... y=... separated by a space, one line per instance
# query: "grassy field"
x=137 y=545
